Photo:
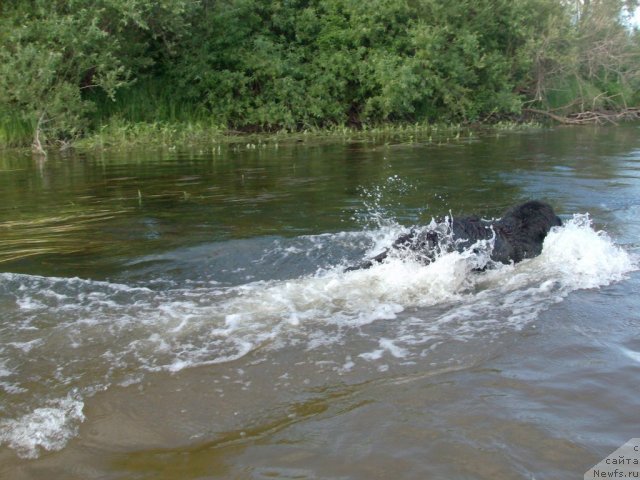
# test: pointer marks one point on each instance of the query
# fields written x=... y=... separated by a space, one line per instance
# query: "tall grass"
x=146 y=101
x=146 y=114
x=14 y=132
x=574 y=94
x=119 y=133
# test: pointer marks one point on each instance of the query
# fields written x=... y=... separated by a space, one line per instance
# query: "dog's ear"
x=503 y=229
x=507 y=226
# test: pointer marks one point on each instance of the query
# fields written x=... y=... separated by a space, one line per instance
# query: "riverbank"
x=178 y=73
x=125 y=135
x=119 y=135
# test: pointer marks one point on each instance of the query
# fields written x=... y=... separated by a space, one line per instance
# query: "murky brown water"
x=185 y=315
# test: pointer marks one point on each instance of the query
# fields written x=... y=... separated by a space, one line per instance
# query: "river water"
x=185 y=314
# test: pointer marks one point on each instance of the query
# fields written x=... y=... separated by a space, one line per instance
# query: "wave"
x=64 y=339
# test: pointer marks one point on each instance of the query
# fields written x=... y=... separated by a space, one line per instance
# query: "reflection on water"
x=83 y=212
x=187 y=314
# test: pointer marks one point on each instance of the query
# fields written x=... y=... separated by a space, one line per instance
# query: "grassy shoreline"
x=119 y=135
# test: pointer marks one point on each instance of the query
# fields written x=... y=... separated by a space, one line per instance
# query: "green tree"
x=587 y=57
x=265 y=64
x=296 y=63
x=52 y=52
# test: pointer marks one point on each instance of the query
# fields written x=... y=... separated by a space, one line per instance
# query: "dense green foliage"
x=71 y=67
x=54 y=54
x=589 y=59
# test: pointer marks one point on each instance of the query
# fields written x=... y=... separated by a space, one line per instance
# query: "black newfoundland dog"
x=519 y=234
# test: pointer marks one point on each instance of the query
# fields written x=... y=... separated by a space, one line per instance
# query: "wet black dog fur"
x=519 y=234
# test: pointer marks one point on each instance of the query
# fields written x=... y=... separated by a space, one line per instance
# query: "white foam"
x=398 y=311
x=28 y=303
x=373 y=355
x=26 y=347
x=46 y=428
x=584 y=257
x=353 y=298
x=388 y=345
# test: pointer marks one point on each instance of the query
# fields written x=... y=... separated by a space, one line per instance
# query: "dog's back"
x=519 y=234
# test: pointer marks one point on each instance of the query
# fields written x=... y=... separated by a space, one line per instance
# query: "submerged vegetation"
x=186 y=69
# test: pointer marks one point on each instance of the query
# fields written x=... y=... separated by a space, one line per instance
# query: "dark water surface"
x=185 y=314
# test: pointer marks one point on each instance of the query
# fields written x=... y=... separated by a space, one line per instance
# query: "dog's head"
x=522 y=230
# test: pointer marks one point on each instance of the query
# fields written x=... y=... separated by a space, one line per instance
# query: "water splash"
x=45 y=428
x=65 y=338
x=381 y=202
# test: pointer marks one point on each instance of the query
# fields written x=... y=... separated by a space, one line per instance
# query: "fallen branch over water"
x=590 y=117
